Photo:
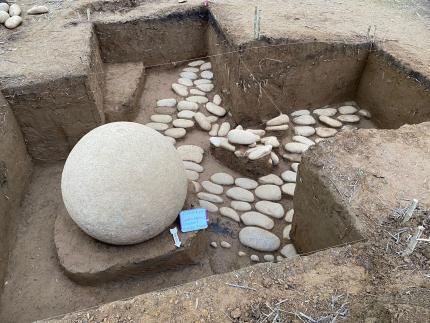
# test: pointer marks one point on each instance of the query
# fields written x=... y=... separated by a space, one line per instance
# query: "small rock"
x=161 y=118
x=214 y=244
x=258 y=152
x=328 y=112
x=186 y=114
x=197 y=99
x=202 y=121
x=305 y=131
x=157 y=126
x=303 y=140
x=229 y=213
x=293 y=157
x=275 y=210
x=188 y=75
x=224 y=129
x=190 y=69
x=242 y=137
x=209 y=197
x=166 y=103
x=289 y=188
x=286 y=232
x=348 y=127
x=279 y=120
x=214 y=130
x=212 y=187
x=164 y=110
x=295 y=166
x=241 y=206
x=191 y=153
x=258 y=132
x=274 y=158
x=205 y=66
x=208 y=206
x=183 y=123
x=192 y=175
x=202 y=81
x=349 y=118
x=196 y=63
x=347 y=109
x=289 y=216
x=187 y=105
x=193 y=166
x=217 y=141
x=215 y=109
x=176 y=132
x=196 y=186
x=299 y=113
x=3 y=15
x=271 y=140
x=197 y=92
x=207 y=75
x=259 y=239
x=14 y=10
x=296 y=147
x=364 y=113
x=225 y=244
x=269 y=258
x=205 y=87
x=222 y=179
x=184 y=81
x=4 y=7
x=288 y=251
x=305 y=120
x=13 y=22
x=257 y=219
x=270 y=179
x=268 y=192
x=212 y=119
x=277 y=128
x=217 y=99
x=241 y=254
x=330 y=122
x=289 y=176
x=255 y=258
x=324 y=132
x=240 y=194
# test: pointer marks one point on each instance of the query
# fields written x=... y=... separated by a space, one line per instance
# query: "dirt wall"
x=15 y=171
x=395 y=94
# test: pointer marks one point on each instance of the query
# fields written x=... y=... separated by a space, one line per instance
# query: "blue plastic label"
x=193 y=220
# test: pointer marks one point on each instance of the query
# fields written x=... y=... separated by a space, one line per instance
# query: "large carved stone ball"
x=123 y=183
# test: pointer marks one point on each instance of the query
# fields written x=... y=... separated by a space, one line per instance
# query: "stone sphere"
x=123 y=183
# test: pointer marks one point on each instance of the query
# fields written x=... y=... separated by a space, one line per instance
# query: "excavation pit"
x=132 y=61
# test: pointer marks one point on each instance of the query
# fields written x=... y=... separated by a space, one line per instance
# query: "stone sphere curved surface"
x=123 y=183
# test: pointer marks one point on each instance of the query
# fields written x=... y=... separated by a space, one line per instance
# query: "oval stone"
x=304 y=120
x=240 y=194
x=330 y=122
x=207 y=75
x=279 y=120
x=184 y=81
x=328 y=112
x=296 y=147
x=229 y=213
x=350 y=118
x=166 y=103
x=208 y=206
x=324 y=132
x=161 y=118
x=268 y=192
x=215 y=109
x=212 y=187
x=175 y=132
x=289 y=188
x=288 y=251
x=202 y=121
x=217 y=99
x=13 y=22
x=183 y=123
x=246 y=183
x=188 y=75
x=187 y=105
x=242 y=137
x=257 y=219
x=209 y=197
x=240 y=205
x=186 y=114
x=259 y=239
x=192 y=166
x=270 y=179
x=197 y=99
x=157 y=126
x=289 y=176
x=347 y=109
x=273 y=209
x=305 y=131
x=205 y=87
x=222 y=179
x=197 y=92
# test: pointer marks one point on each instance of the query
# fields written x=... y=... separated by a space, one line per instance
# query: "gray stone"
x=190 y=69
x=207 y=75
x=246 y=183
x=209 y=197
x=279 y=120
x=364 y=113
x=257 y=219
x=205 y=87
x=303 y=140
x=347 y=109
x=242 y=137
x=241 y=206
x=289 y=216
x=212 y=187
x=225 y=244
x=328 y=112
x=241 y=254
x=259 y=239
x=288 y=251
x=188 y=152
x=202 y=121
x=196 y=63
x=202 y=81
x=188 y=75
x=268 y=192
x=289 y=176
x=208 y=206
x=270 y=179
x=161 y=118
x=305 y=131
x=269 y=258
x=186 y=114
x=183 y=123
x=214 y=244
x=4 y=7
x=296 y=147
x=222 y=179
x=330 y=122
x=197 y=99
x=184 y=81
x=175 y=132
x=349 y=118
x=305 y=120
x=215 y=109
x=157 y=126
x=193 y=166
x=324 y=132
x=240 y=194
x=286 y=232
x=166 y=103
x=254 y=258
x=143 y=170
x=299 y=113
x=229 y=213
x=217 y=99
x=197 y=92
x=224 y=129
x=289 y=188
x=3 y=15
x=275 y=210
x=180 y=89
x=205 y=66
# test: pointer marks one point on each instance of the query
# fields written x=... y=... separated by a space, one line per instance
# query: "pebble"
x=275 y=210
x=303 y=140
x=229 y=213
x=224 y=129
x=190 y=69
x=242 y=137
x=166 y=103
x=324 y=132
x=268 y=192
x=289 y=188
x=217 y=141
x=269 y=258
x=279 y=120
x=299 y=113
x=176 y=132
x=271 y=140
x=289 y=176
x=3 y=15
x=13 y=22
x=288 y=251
x=187 y=105
x=286 y=232
x=350 y=118
x=274 y=158
x=348 y=127
x=192 y=166
x=161 y=118
x=190 y=155
x=330 y=122
x=259 y=239
x=225 y=244
x=226 y=145
x=364 y=113
x=241 y=206
x=257 y=219
x=197 y=99
x=296 y=147
x=202 y=81
x=305 y=131
x=14 y=10
x=240 y=194
x=190 y=148
x=206 y=66
x=217 y=99
x=214 y=244
x=207 y=75
x=192 y=175
x=241 y=254
x=197 y=92
x=305 y=120
x=184 y=81
x=212 y=187
x=222 y=179
x=183 y=123
x=212 y=119
x=214 y=130
x=4 y=7
x=277 y=128
x=196 y=63
x=295 y=167
x=215 y=109
x=270 y=179
x=188 y=75
x=208 y=206
x=196 y=186
x=258 y=132
x=328 y=112
x=254 y=258
x=289 y=216
x=165 y=110
x=258 y=152
x=205 y=87
x=186 y=114
x=157 y=126
x=293 y=157
x=347 y=109
x=202 y=121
